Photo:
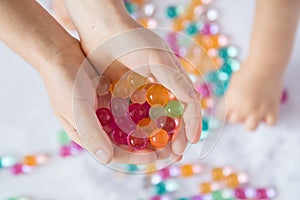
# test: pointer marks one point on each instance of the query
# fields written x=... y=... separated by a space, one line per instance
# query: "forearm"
x=32 y=33
x=274 y=30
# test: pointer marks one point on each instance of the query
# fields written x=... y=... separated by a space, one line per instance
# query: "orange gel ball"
x=30 y=161
x=187 y=170
x=232 y=180
x=157 y=95
x=205 y=188
x=159 y=138
x=217 y=174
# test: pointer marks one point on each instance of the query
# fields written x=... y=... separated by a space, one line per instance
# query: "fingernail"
x=102 y=156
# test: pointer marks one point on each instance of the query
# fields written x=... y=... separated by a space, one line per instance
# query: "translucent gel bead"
x=147 y=125
x=63 y=138
x=8 y=161
x=187 y=170
x=1 y=164
x=103 y=85
x=125 y=123
x=156 y=112
x=159 y=138
x=205 y=188
x=217 y=174
x=174 y=109
x=75 y=148
x=149 y=9
x=232 y=180
x=192 y=29
x=137 y=139
x=234 y=64
x=212 y=77
x=119 y=106
x=250 y=193
x=17 y=169
x=139 y=96
x=166 y=123
x=121 y=89
x=205 y=124
x=198 y=168
x=135 y=80
x=137 y=112
x=174 y=171
x=65 y=151
x=203 y=89
x=157 y=95
x=119 y=136
x=212 y=14
x=105 y=116
x=172 y=12
x=104 y=101
x=219 y=89
x=30 y=160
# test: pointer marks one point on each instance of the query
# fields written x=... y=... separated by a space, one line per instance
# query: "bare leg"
x=255 y=91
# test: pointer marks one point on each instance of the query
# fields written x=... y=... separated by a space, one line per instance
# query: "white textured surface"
x=27 y=125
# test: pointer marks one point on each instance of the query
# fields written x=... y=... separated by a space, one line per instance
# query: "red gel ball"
x=104 y=115
x=119 y=136
x=137 y=112
x=166 y=123
x=137 y=139
x=17 y=169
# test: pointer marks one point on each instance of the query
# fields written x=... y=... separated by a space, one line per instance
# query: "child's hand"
x=138 y=48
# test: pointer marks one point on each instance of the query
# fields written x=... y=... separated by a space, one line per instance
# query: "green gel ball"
x=156 y=112
x=1 y=164
x=192 y=29
x=204 y=135
x=228 y=52
x=174 y=109
x=212 y=77
x=131 y=8
x=171 y=185
x=234 y=64
x=132 y=168
x=8 y=161
x=219 y=89
x=223 y=76
x=226 y=68
x=217 y=195
x=205 y=124
x=172 y=12
x=63 y=138
x=160 y=188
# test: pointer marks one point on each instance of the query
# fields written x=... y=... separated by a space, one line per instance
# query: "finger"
x=164 y=153
x=125 y=154
x=251 y=122
x=70 y=130
x=271 y=119
x=235 y=117
x=92 y=136
x=179 y=141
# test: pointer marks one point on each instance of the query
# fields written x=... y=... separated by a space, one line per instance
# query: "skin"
x=255 y=91
x=32 y=33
